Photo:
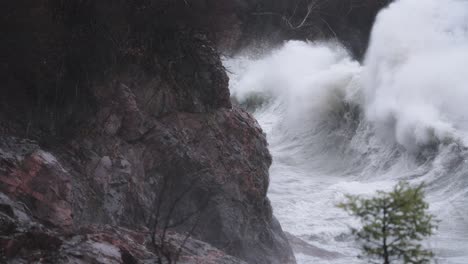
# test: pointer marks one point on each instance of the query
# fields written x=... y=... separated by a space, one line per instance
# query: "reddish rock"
x=37 y=178
x=35 y=243
x=128 y=105
x=221 y=156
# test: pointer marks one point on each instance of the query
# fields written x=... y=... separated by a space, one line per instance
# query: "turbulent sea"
x=336 y=126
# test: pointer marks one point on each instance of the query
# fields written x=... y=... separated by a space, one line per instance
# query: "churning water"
x=337 y=127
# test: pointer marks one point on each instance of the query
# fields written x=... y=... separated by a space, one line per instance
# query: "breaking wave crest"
x=335 y=126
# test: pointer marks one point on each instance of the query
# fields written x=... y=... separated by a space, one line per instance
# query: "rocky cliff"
x=117 y=135
x=118 y=141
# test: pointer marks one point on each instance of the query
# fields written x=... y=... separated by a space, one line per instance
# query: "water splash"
x=336 y=127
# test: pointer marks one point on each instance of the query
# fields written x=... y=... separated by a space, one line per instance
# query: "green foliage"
x=394 y=223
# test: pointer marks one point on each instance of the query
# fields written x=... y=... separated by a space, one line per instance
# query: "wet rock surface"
x=31 y=174
x=112 y=122
x=222 y=154
x=114 y=178
x=31 y=242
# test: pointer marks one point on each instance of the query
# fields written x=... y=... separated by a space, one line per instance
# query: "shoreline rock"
x=120 y=108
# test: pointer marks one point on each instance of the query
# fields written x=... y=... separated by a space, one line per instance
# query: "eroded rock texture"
x=114 y=114
x=25 y=240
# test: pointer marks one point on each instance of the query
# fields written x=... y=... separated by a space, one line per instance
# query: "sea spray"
x=415 y=75
x=337 y=127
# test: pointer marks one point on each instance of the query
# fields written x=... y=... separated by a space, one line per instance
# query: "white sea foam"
x=415 y=74
x=336 y=127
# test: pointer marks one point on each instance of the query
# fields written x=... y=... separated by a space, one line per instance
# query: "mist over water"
x=415 y=71
x=337 y=127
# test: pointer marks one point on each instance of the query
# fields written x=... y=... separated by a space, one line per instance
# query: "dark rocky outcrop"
x=107 y=180
x=28 y=241
x=109 y=107
x=236 y=24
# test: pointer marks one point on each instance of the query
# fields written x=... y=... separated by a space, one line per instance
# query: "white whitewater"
x=336 y=127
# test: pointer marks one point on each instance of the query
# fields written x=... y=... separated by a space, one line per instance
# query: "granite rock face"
x=111 y=176
x=115 y=120
x=24 y=240
x=118 y=124
x=221 y=156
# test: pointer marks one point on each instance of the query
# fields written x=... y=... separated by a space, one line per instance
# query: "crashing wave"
x=335 y=126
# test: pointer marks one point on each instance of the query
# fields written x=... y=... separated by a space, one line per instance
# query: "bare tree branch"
x=162 y=247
